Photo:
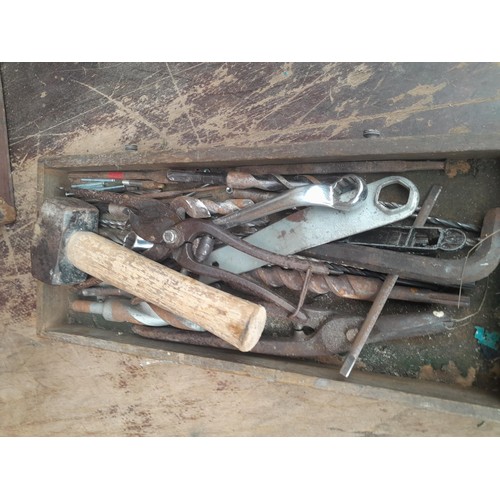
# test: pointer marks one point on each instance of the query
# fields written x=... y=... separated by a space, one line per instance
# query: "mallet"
x=66 y=248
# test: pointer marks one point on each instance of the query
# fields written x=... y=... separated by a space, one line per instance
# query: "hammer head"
x=60 y=218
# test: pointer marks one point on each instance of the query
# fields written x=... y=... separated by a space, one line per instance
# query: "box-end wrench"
x=315 y=226
x=344 y=194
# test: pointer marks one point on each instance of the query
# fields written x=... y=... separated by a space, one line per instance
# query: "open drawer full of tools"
x=270 y=240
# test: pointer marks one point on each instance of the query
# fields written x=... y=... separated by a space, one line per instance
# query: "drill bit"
x=351 y=287
x=438 y=221
x=199 y=209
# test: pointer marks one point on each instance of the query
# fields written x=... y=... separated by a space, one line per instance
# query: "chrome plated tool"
x=315 y=226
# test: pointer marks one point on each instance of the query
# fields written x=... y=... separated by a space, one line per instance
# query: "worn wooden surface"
x=82 y=108
x=7 y=205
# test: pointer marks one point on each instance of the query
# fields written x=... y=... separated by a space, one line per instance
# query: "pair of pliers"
x=332 y=335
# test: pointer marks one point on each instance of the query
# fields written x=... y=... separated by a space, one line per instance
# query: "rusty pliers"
x=333 y=333
x=173 y=237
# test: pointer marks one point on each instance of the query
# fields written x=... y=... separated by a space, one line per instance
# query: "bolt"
x=170 y=236
x=351 y=334
x=371 y=132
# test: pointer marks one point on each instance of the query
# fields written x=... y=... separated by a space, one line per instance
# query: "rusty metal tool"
x=479 y=265
x=334 y=336
x=107 y=220
x=66 y=249
x=147 y=217
x=313 y=226
x=352 y=287
x=384 y=293
x=201 y=209
x=233 y=179
x=181 y=237
x=346 y=167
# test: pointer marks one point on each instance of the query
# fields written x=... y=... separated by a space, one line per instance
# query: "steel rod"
x=384 y=292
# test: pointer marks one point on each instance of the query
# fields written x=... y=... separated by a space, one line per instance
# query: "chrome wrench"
x=343 y=194
x=315 y=226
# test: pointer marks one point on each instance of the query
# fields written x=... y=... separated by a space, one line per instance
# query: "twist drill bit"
x=202 y=209
x=437 y=221
x=351 y=287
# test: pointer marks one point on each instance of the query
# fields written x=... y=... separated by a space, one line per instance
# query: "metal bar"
x=453 y=272
x=384 y=292
x=346 y=167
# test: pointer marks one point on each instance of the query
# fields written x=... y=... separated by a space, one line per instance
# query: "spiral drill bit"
x=437 y=221
x=350 y=287
x=203 y=209
x=107 y=220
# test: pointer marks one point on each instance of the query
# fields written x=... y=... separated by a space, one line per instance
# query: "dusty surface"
x=57 y=389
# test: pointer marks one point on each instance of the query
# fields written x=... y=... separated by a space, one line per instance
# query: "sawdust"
x=453 y=168
x=449 y=374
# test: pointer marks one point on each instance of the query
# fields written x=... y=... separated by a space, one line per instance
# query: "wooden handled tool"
x=66 y=247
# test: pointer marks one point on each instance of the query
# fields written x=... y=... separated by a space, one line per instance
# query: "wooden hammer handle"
x=234 y=320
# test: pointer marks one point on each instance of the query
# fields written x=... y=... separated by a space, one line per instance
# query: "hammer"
x=66 y=249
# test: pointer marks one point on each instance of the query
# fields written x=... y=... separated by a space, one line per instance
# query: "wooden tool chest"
x=411 y=375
